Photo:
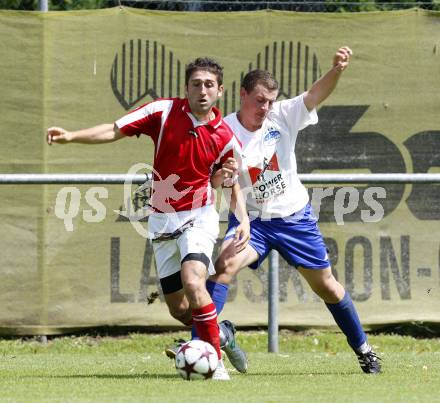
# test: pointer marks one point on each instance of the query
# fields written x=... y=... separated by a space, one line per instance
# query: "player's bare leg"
x=204 y=313
x=324 y=284
x=178 y=307
x=180 y=310
x=193 y=275
x=339 y=303
x=228 y=265
x=229 y=262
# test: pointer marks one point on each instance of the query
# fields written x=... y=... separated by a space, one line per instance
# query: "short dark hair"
x=255 y=77
x=205 y=64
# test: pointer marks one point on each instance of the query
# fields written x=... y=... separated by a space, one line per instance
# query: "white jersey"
x=268 y=176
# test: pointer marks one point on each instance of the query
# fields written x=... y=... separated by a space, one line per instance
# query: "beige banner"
x=70 y=261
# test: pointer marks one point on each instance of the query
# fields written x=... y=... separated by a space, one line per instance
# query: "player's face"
x=255 y=106
x=203 y=92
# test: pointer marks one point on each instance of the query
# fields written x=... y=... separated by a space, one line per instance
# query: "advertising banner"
x=71 y=258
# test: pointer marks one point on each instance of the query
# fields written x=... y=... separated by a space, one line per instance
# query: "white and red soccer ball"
x=196 y=359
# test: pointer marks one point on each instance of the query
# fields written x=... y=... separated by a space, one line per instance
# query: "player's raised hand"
x=342 y=58
x=57 y=135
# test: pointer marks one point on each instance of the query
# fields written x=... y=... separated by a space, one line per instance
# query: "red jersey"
x=186 y=151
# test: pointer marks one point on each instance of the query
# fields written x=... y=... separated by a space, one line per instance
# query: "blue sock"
x=219 y=295
x=347 y=319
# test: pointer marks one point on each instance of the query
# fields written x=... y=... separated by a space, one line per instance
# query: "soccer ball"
x=196 y=359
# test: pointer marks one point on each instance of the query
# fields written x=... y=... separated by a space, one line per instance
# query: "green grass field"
x=311 y=367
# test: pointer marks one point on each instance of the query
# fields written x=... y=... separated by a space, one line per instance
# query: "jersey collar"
x=214 y=123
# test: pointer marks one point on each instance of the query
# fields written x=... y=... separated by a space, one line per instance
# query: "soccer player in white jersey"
x=278 y=204
x=190 y=140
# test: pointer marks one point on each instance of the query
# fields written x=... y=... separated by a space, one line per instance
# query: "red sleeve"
x=232 y=149
x=147 y=119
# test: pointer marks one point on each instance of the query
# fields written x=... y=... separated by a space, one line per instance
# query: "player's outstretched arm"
x=323 y=87
x=105 y=133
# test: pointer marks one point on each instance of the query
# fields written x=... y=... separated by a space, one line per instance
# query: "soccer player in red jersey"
x=190 y=140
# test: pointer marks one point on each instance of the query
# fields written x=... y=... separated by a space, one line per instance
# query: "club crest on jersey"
x=271 y=137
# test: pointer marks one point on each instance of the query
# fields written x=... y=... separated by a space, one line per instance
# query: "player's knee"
x=225 y=268
x=193 y=285
x=327 y=294
x=194 y=274
x=223 y=274
x=330 y=290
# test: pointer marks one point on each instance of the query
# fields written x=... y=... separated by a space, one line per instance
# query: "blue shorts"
x=297 y=238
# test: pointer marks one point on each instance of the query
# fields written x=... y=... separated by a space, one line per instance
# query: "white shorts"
x=200 y=238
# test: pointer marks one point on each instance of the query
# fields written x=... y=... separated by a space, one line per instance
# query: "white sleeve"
x=237 y=155
x=295 y=113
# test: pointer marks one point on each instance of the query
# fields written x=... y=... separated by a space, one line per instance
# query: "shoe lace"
x=370 y=356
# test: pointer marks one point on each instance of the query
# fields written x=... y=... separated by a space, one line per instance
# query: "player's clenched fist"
x=230 y=167
x=342 y=58
x=57 y=135
x=229 y=171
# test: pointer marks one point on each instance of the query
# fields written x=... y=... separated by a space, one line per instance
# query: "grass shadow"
x=104 y=376
x=269 y=374
x=174 y=376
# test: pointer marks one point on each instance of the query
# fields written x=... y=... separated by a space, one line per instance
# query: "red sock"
x=205 y=321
